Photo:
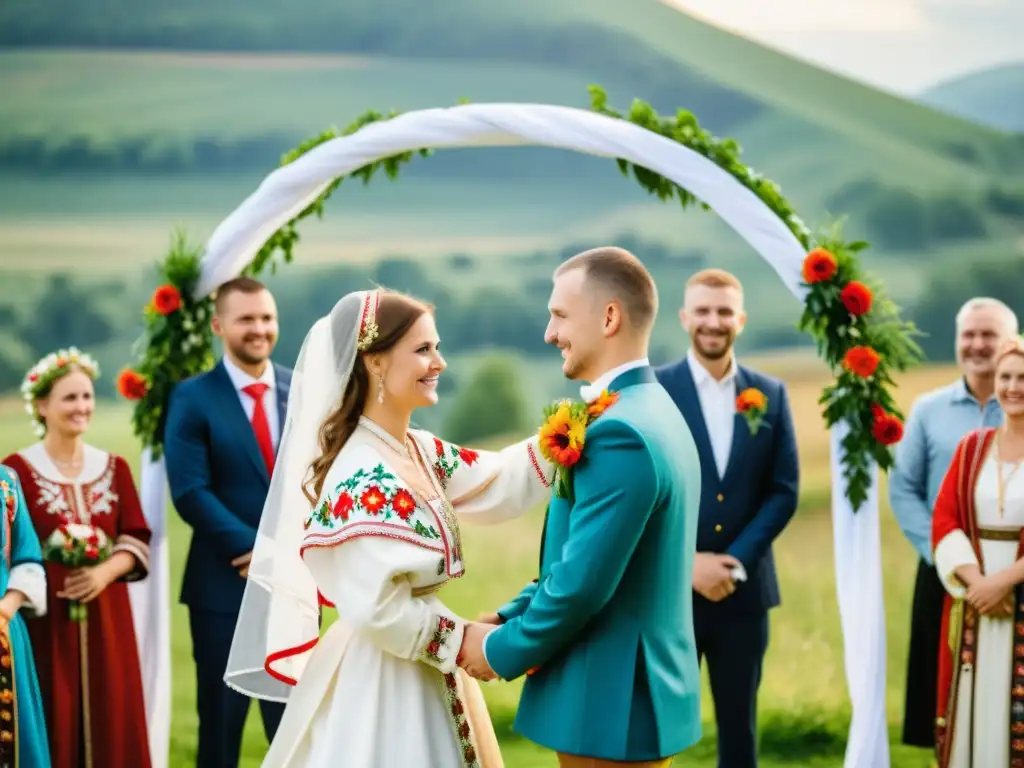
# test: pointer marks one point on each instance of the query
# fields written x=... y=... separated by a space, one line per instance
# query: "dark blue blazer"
x=743 y=512
x=218 y=481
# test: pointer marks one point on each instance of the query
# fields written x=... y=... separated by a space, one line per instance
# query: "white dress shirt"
x=718 y=405
x=591 y=391
x=241 y=379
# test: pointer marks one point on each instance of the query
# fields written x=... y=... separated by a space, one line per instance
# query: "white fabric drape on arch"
x=288 y=190
x=151 y=612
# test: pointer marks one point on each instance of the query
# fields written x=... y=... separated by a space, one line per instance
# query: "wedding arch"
x=857 y=329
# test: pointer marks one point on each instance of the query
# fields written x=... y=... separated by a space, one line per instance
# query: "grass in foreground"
x=804 y=712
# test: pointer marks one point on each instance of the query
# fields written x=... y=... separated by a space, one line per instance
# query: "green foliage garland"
x=175 y=350
x=178 y=343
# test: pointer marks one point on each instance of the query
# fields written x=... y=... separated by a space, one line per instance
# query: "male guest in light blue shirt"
x=937 y=422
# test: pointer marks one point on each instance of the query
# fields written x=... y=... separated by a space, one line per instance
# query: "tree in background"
x=490 y=404
x=946 y=292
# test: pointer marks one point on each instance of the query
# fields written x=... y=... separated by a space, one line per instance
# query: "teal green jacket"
x=609 y=622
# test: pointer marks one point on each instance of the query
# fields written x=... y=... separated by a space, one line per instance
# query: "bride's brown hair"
x=396 y=314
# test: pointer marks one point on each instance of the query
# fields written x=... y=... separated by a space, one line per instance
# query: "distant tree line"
x=903 y=219
x=945 y=293
x=105 y=316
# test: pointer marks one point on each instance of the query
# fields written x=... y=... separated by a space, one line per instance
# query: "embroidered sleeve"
x=133 y=532
x=488 y=487
x=368 y=581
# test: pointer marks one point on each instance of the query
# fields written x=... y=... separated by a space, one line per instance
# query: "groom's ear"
x=613 y=318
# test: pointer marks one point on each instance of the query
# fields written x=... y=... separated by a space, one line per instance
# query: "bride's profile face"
x=1010 y=384
x=411 y=368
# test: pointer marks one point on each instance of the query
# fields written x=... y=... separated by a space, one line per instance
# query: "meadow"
x=804 y=711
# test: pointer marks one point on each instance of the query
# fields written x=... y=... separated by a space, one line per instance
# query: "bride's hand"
x=489 y=618
x=989 y=594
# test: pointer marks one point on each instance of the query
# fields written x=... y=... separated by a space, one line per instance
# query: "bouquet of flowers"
x=76 y=545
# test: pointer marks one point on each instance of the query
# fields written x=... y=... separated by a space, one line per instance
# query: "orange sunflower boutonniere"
x=752 y=404
x=563 y=433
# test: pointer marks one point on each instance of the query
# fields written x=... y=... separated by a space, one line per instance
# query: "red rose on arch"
x=131 y=385
x=166 y=299
x=861 y=361
x=856 y=297
x=888 y=429
x=819 y=266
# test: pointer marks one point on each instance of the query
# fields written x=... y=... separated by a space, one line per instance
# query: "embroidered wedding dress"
x=382 y=688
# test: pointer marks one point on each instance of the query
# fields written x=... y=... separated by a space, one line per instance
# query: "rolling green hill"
x=992 y=97
x=130 y=117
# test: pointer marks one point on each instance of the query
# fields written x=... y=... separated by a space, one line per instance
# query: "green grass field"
x=803 y=704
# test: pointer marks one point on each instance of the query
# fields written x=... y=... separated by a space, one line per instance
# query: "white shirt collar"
x=701 y=375
x=590 y=391
x=240 y=379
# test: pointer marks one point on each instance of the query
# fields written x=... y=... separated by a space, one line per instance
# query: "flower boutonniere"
x=563 y=433
x=752 y=404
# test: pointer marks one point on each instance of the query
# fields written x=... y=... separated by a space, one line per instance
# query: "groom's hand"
x=489 y=618
x=712 y=577
x=471 y=656
x=241 y=563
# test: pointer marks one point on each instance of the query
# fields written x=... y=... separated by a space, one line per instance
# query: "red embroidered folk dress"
x=89 y=671
x=980 y=718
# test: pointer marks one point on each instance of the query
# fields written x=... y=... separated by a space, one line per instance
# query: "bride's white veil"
x=278 y=624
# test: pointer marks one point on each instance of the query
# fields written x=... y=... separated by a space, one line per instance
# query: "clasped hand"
x=992 y=595
x=471 y=655
x=712 y=575
x=86 y=584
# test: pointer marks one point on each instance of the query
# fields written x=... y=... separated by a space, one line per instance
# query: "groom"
x=221 y=439
x=607 y=630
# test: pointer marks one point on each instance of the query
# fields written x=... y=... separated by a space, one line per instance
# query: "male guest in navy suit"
x=221 y=439
x=748 y=495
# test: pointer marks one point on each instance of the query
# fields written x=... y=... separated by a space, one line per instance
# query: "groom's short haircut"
x=242 y=284
x=623 y=276
x=715 y=278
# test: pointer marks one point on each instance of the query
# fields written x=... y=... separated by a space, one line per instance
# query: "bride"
x=363 y=514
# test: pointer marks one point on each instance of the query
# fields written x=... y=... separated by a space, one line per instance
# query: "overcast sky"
x=900 y=45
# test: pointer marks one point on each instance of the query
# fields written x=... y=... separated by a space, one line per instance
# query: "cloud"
x=768 y=16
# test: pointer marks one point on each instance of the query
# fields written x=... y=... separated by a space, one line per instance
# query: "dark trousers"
x=222 y=711
x=734 y=648
x=923 y=658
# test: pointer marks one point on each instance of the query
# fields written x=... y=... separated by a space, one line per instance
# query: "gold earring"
x=380 y=389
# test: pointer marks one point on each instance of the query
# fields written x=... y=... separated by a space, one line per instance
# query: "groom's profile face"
x=576 y=324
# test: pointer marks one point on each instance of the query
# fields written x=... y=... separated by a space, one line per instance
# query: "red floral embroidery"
x=468 y=456
x=462 y=728
x=343 y=506
x=439 y=447
x=403 y=503
x=373 y=500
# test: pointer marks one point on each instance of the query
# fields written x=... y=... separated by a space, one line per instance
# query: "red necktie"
x=260 y=425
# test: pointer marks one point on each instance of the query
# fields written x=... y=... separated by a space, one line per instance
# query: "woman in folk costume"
x=23 y=589
x=363 y=514
x=86 y=512
x=978 y=535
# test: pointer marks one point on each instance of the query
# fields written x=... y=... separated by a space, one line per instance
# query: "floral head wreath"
x=43 y=374
x=368 y=329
